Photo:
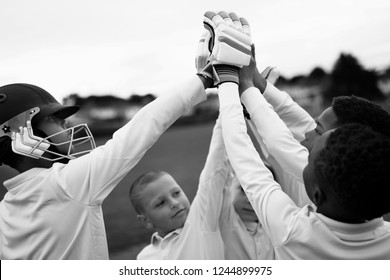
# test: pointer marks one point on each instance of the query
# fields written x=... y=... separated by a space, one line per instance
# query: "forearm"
x=216 y=158
x=105 y=166
x=213 y=180
x=279 y=141
x=265 y=195
x=294 y=116
x=254 y=177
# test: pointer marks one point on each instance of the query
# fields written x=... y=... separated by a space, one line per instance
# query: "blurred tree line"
x=348 y=77
x=313 y=92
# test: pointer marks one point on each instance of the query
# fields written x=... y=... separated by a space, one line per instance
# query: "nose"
x=174 y=204
x=308 y=135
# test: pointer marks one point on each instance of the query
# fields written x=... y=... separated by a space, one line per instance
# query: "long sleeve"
x=208 y=200
x=90 y=178
x=276 y=211
x=294 y=116
x=279 y=141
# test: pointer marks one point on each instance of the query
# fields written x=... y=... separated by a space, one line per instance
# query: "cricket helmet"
x=21 y=105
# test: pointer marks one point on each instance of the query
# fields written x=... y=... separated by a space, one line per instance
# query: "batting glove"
x=228 y=45
x=202 y=63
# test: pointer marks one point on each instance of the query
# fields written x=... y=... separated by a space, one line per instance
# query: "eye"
x=160 y=203
x=176 y=193
x=317 y=131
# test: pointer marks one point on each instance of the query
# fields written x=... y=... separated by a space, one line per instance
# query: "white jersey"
x=56 y=213
x=296 y=233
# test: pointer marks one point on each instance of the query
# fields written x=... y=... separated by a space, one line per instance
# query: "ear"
x=144 y=221
x=318 y=196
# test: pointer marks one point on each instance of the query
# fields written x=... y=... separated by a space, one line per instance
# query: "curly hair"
x=139 y=185
x=355 y=165
x=352 y=109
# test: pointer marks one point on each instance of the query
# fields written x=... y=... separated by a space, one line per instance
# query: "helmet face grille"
x=79 y=142
x=79 y=139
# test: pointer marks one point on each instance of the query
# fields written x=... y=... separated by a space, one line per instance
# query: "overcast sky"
x=124 y=46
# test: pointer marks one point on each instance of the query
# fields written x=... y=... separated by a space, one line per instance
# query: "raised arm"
x=213 y=179
x=294 y=116
x=273 y=207
x=278 y=139
x=90 y=178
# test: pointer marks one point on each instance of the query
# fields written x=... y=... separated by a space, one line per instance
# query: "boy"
x=288 y=157
x=243 y=235
x=348 y=223
x=342 y=166
x=346 y=178
x=53 y=208
x=183 y=232
x=192 y=233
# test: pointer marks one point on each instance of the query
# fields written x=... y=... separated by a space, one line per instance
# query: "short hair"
x=139 y=185
x=355 y=165
x=353 y=109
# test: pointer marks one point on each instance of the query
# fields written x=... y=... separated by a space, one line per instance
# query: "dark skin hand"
x=251 y=77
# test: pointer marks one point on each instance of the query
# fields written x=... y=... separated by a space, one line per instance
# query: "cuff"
x=228 y=94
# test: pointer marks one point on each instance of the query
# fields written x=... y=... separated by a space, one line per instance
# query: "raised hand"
x=229 y=46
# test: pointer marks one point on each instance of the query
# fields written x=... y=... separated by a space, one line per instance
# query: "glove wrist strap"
x=227 y=73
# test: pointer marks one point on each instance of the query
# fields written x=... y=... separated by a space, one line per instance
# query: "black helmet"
x=18 y=98
x=24 y=104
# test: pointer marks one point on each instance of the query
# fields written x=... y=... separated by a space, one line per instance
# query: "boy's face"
x=242 y=205
x=308 y=172
x=325 y=122
x=165 y=205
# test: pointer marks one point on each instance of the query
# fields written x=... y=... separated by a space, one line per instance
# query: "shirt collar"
x=354 y=232
x=252 y=227
x=156 y=238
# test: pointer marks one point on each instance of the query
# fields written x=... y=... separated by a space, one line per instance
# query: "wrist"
x=244 y=85
x=227 y=73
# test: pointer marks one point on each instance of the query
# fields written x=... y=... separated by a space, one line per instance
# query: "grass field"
x=182 y=152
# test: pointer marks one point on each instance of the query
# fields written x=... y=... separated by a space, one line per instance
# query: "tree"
x=317 y=74
x=348 y=77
